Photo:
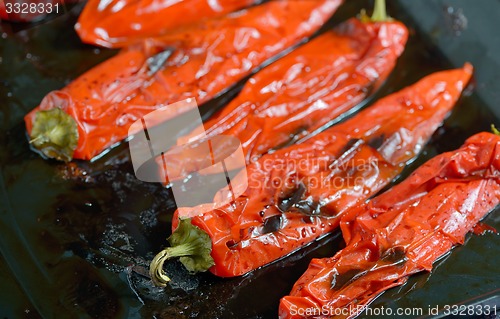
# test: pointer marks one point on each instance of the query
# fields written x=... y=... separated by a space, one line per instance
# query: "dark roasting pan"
x=77 y=247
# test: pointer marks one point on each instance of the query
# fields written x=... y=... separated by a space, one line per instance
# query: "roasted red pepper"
x=306 y=89
x=205 y=60
x=402 y=231
x=298 y=194
x=118 y=23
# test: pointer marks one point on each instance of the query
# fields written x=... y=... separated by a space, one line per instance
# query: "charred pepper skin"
x=360 y=156
x=207 y=58
x=306 y=89
x=403 y=231
x=119 y=23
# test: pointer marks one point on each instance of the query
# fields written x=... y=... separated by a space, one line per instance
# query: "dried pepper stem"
x=379 y=13
x=156 y=271
x=495 y=130
x=55 y=134
x=188 y=242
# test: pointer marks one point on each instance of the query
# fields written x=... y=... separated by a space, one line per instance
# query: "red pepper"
x=208 y=58
x=299 y=193
x=403 y=231
x=306 y=89
x=3 y=11
x=119 y=23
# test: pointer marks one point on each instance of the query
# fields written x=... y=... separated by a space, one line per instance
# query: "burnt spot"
x=293 y=197
x=294 y=202
x=352 y=145
x=370 y=89
x=307 y=207
x=377 y=141
x=231 y=244
x=328 y=210
x=157 y=61
x=341 y=280
x=300 y=132
x=271 y=224
x=394 y=256
x=308 y=219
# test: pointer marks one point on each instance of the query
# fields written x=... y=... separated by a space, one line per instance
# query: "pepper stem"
x=379 y=13
x=188 y=242
x=55 y=134
x=36 y=139
x=495 y=130
x=156 y=272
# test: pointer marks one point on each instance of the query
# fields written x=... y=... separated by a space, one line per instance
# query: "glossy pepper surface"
x=402 y=231
x=118 y=23
x=306 y=89
x=299 y=193
x=198 y=62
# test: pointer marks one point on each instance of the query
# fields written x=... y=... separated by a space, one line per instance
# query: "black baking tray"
x=77 y=247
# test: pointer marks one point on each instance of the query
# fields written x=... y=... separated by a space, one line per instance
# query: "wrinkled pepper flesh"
x=299 y=193
x=118 y=23
x=304 y=90
x=402 y=232
x=199 y=62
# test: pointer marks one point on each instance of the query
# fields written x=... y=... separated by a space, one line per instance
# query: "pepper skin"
x=207 y=59
x=299 y=193
x=403 y=231
x=119 y=23
x=305 y=90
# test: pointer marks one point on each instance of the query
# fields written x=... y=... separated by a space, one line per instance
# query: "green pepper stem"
x=156 y=272
x=55 y=134
x=33 y=140
x=495 y=130
x=188 y=242
x=379 y=13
